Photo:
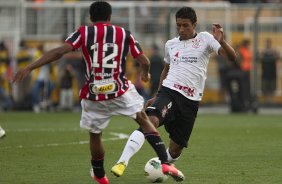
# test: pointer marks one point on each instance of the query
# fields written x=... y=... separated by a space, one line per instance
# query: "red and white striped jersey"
x=105 y=48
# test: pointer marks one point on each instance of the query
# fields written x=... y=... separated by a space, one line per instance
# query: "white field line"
x=44 y=130
x=116 y=136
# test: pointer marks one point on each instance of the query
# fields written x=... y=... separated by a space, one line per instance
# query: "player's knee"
x=141 y=117
x=154 y=120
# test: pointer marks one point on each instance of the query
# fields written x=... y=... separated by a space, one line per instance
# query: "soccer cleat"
x=118 y=169
x=2 y=132
x=103 y=180
x=170 y=170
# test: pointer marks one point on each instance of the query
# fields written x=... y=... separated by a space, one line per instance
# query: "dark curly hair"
x=186 y=13
x=100 y=11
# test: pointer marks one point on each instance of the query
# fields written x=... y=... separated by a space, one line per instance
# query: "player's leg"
x=133 y=145
x=97 y=157
x=94 y=120
x=155 y=141
x=133 y=108
x=152 y=135
x=136 y=140
x=174 y=151
x=158 y=145
x=181 y=127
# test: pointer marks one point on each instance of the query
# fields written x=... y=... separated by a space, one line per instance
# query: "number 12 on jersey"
x=105 y=58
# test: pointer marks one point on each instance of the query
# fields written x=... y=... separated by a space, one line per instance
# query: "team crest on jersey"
x=196 y=43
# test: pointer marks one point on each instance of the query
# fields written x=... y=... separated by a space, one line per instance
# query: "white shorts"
x=96 y=115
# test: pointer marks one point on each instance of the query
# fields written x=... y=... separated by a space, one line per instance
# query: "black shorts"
x=176 y=112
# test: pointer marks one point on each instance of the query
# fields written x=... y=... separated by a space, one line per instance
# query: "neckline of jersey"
x=187 y=39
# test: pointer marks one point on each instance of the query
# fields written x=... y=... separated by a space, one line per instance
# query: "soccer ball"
x=2 y=132
x=153 y=171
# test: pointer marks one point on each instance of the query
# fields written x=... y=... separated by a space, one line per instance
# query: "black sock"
x=156 y=142
x=140 y=129
x=98 y=168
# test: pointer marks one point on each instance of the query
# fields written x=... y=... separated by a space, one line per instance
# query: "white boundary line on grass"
x=44 y=130
x=116 y=136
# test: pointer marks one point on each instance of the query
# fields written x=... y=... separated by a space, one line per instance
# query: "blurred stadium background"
x=48 y=22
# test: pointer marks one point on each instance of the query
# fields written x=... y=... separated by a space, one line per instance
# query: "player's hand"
x=21 y=74
x=145 y=77
x=150 y=102
x=217 y=32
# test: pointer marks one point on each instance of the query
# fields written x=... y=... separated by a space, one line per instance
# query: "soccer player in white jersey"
x=107 y=92
x=181 y=85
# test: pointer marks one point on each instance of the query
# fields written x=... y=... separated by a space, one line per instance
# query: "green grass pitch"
x=50 y=148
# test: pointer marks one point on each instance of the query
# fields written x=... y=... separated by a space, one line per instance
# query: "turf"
x=50 y=148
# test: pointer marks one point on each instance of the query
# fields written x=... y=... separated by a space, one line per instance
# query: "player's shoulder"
x=118 y=27
x=121 y=28
x=172 y=41
x=205 y=34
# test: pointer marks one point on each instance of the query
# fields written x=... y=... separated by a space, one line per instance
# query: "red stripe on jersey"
x=87 y=58
x=86 y=55
x=135 y=52
x=74 y=39
x=120 y=42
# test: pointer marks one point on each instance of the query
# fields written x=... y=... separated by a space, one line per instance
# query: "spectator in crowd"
x=222 y=68
x=66 y=88
x=234 y=78
x=75 y=60
x=6 y=101
x=156 y=69
x=269 y=58
x=246 y=59
x=23 y=58
x=42 y=87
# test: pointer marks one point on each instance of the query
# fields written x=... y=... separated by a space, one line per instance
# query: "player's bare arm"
x=145 y=67
x=225 y=50
x=163 y=74
x=162 y=77
x=48 y=57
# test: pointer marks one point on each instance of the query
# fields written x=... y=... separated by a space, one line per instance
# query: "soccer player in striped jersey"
x=107 y=92
x=182 y=84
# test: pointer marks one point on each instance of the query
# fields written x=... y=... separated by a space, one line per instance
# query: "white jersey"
x=188 y=60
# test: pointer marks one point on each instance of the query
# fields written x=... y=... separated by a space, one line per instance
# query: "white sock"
x=134 y=143
x=169 y=157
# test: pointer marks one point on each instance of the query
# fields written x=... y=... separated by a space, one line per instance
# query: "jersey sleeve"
x=166 y=54
x=74 y=39
x=213 y=43
x=134 y=46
